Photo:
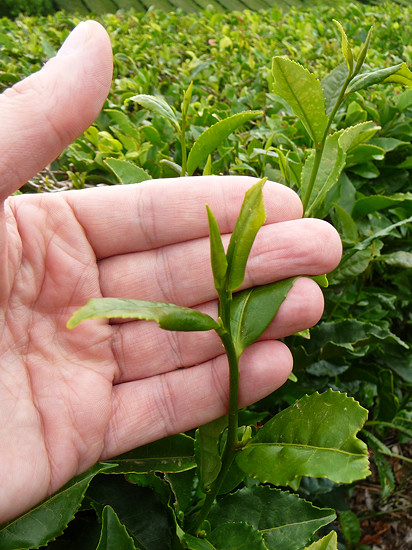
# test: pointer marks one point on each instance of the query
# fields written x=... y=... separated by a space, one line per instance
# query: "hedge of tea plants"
x=362 y=346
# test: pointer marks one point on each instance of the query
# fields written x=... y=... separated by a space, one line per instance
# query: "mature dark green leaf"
x=157 y=105
x=126 y=172
x=195 y=543
x=304 y=94
x=254 y=309
x=315 y=437
x=168 y=316
x=114 y=535
x=208 y=451
x=133 y=506
x=183 y=487
x=171 y=454
x=47 y=520
x=217 y=252
x=123 y=122
x=237 y=536
x=351 y=527
x=330 y=542
x=374 y=203
x=251 y=218
x=285 y=520
x=213 y=136
x=332 y=84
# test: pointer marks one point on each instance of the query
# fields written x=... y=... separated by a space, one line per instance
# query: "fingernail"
x=76 y=39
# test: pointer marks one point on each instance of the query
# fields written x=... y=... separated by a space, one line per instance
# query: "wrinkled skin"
x=71 y=398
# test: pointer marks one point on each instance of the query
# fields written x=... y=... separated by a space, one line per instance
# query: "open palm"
x=70 y=398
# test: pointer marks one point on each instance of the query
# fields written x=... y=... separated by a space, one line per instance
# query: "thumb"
x=46 y=111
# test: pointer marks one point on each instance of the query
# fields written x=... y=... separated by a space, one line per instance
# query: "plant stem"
x=232 y=439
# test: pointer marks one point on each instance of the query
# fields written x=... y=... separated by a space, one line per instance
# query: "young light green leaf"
x=126 y=172
x=321 y=280
x=315 y=437
x=207 y=451
x=355 y=135
x=286 y=521
x=168 y=316
x=171 y=454
x=157 y=105
x=217 y=252
x=362 y=54
x=123 y=122
x=330 y=542
x=330 y=168
x=304 y=94
x=186 y=100
x=49 y=519
x=252 y=311
x=346 y=49
x=251 y=218
x=397 y=73
x=207 y=142
x=207 y=170
x=114 y=535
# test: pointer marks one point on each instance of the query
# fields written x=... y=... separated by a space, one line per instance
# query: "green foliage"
x=204 y=72
x=12 y=8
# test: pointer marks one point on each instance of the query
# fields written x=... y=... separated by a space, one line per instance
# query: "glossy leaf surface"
x=158 y=106
x=304 y=94
x=168 y=316
x=251 y=218
x=114 y=535
x=126 y=172
x=237 y=536
x=253 y=310
x=213 y=136
x=314 y=437
x=50 y=517
x=170 y=454
x=397 y=73
x=285 y=520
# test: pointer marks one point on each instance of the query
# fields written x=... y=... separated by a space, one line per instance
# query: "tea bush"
x=361 y=347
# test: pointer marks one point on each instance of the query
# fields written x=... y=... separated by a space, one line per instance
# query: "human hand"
x=71 y=398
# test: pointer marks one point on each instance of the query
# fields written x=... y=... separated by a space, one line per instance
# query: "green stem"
x=232 y=439
x=183 y=148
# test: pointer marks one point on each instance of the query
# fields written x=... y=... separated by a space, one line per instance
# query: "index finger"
x=156 y=213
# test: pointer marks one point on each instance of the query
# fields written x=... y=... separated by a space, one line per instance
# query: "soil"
x=386 y=523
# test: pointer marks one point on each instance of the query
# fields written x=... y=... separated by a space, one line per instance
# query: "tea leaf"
x=332 y=84
x=350 y=525
x=251 y=218
x=207 y=451
x=285 y=520
x=330 y=168
x=355 y=135
x=347 y=52
x=374 y=203
x=168 y=316
x=195 y=543
x=315 y=437
x=237 y=536
x=158 y=106
x=170 y=454
x=214 y=136
x=126 y=172
x=47 y=520
x=114 y=535
x=330 y=542
x=397 y=73
x=304 y=94
x=253 y=310
x=217 y=253
x=363 y=52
